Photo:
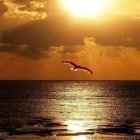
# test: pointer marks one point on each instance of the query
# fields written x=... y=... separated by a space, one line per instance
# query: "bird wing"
x=70 y=63
x=77 y=66
x=86 y=69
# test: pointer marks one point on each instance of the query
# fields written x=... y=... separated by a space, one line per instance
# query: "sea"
x=69 y=110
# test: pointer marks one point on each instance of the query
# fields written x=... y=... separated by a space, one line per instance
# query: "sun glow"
x=86 y=8
x=75 y=126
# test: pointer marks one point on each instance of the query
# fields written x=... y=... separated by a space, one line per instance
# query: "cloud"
x=109 y=29
x=87 y=48
x=3 y=8
x=16 y=49
x=21 y=50
x=34 y=10
x=113 y=31
x=107 y=62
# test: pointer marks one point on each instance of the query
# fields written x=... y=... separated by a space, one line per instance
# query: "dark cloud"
x=59 y=29
x=22 y=1
x=22 y=50
x=33 y=53
x=17 y=49
x=27 y=1
x=30 y=8
x=61 y=32
x=40 y=35
x=122 y=31
x=3 y=8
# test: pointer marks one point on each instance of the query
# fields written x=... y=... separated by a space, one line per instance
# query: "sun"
x=84 y=8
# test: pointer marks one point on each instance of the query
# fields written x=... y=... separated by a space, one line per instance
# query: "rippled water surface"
x=70 y=110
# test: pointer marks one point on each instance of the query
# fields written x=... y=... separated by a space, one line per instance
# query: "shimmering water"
x=70 y=110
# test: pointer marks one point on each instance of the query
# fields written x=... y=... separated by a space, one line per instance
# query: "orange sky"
x=36 y=36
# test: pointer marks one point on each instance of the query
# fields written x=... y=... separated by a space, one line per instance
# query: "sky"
x=36 y=35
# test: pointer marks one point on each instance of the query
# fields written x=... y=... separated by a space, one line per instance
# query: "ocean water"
x=70 y=110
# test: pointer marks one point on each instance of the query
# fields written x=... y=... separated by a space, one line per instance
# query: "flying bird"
x=76 y=67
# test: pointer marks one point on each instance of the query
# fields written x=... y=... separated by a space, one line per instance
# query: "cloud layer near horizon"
x=108 y=63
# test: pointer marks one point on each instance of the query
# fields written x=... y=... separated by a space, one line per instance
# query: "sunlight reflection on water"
x=70 y=108
x=82 y=137
x=75 y=126
x=76 y=104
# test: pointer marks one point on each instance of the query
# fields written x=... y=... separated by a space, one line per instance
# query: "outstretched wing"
x=69 y=63
x=86 y=69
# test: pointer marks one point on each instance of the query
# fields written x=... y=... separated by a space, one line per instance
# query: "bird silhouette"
x=76 y=67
